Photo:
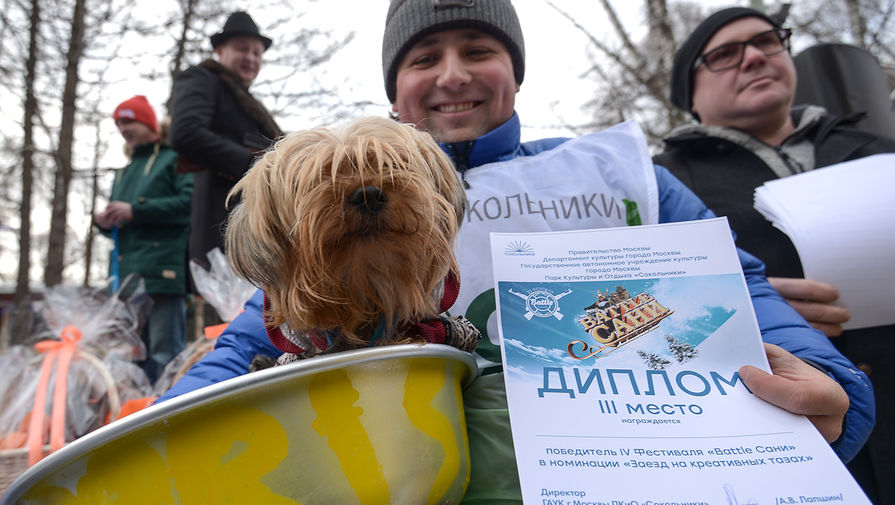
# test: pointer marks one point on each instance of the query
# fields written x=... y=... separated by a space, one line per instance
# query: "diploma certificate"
x=620 y=350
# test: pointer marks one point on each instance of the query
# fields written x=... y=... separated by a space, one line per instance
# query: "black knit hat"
x=409 y=21
x=239 y=24
x=691 y=49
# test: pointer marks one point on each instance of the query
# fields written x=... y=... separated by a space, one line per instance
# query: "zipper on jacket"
x=794 y=166
x=460 y=152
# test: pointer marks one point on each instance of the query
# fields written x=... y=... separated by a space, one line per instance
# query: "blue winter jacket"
x=779 y=323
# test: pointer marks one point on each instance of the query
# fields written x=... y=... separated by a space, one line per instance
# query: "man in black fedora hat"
x=239 y=23
x=217 y=126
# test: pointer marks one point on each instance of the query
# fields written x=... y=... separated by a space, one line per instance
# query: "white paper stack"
x=841 y=220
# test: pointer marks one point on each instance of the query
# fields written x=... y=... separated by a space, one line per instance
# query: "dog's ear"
x=259 y=234
x=246 y=252
x=253 y=237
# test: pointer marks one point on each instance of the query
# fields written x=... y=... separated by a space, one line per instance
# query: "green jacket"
x=154 y=243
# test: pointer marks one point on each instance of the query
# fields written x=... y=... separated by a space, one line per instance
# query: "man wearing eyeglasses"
x=735 y=75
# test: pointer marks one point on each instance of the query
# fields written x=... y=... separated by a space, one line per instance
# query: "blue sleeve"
x=781 y=325
x=240 y=342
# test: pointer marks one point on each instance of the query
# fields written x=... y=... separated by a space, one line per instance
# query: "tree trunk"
x=64 y=170
x=23 y=286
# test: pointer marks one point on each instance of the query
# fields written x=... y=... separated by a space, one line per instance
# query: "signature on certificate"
x=732 y=497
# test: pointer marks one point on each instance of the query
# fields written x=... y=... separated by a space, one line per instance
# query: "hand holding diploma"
x=799 y=388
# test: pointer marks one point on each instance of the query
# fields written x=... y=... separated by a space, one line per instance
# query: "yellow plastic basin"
x=373 y=426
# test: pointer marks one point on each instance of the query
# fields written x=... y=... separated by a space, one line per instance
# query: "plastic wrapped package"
x=220 y=286
x=72 y=379
x=130 y=379
x=13 y=362
x=110 y=325
x=18 y=373
x=90 y=395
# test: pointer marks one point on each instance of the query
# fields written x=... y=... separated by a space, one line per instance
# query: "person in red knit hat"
x=137 y=109
x=149 y=210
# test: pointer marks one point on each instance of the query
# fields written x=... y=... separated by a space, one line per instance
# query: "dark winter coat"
x=153 y=244
x=217 y=127
x=724 y=174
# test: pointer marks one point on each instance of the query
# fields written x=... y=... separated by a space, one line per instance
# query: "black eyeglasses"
x=730 y=55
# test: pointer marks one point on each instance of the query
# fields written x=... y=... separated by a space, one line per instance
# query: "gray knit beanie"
x=691 y=49
x=409 y=21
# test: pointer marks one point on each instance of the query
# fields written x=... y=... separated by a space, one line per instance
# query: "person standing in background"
x=149 y=209
x=217 y=126
x=735 y=75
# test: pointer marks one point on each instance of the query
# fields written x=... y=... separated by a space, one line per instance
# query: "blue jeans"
x=165 y=333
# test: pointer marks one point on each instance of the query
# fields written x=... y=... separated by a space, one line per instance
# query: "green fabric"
x=154 y=243
x=494 y=479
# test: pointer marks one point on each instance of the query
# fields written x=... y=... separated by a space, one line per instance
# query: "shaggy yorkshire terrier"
x=349 y=233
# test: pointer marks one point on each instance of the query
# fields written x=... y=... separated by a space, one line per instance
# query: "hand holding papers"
x=621 y=348
x=840 y=220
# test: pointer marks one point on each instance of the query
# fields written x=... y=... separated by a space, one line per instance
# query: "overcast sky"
x=556 y=57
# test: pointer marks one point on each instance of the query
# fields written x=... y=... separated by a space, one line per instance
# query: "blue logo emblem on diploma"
x=519 y=248
x=541 y=303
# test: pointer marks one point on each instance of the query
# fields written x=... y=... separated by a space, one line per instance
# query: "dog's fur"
x=349 y=229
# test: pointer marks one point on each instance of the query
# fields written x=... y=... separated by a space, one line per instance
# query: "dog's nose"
x=368 y=198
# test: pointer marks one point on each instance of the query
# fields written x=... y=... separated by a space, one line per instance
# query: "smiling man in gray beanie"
x=407 y=22
x=735 y=75
x=453 y=68
x=481 y=29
